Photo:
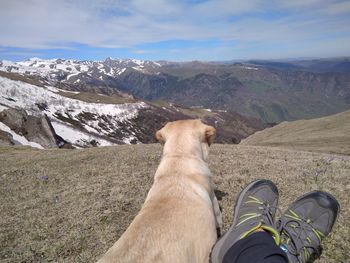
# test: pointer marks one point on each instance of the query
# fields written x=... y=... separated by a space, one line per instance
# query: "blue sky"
x=177 y=30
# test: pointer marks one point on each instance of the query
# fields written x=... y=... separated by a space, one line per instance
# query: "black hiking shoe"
x=255 y=208
x=305 y=223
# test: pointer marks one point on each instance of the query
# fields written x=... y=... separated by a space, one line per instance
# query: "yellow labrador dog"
x=177 y=223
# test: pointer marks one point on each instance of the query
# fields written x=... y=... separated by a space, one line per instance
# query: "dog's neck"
x=185 y=148
x=184 y=158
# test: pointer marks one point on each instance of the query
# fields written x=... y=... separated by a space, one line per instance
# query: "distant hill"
x=311 y=65
x=329 y=134
x=273 y=91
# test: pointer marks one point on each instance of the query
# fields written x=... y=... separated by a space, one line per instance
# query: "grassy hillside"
x=72 y=205
x=326 y=134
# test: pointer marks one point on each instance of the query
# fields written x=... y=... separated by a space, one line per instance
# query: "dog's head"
x=186 y=135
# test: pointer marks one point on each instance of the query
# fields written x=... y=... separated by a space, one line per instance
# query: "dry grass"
x=72 y=205
x=326 y=134
x=18 y=77
x=97 y=98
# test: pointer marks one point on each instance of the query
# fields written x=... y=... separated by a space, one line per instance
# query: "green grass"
x=100 y=190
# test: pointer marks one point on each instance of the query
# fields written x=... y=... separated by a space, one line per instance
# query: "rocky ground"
x=72 y=205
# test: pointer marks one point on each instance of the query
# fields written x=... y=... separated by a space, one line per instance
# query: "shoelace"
x=300 y=226
x=264 y=206
x=266 y=214
x=266 y=211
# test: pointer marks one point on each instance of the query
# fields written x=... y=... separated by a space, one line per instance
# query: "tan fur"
x=177 y=223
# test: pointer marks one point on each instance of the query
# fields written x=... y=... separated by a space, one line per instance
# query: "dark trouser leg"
x=259 y=247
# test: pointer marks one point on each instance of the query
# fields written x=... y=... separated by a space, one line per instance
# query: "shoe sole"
x=219 y=243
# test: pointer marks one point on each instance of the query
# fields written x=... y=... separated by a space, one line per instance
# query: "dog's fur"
x=177 y=223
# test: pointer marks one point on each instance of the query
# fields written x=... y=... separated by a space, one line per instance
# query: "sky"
x=175 y=30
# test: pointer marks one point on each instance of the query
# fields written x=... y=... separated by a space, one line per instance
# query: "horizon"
x=283 y=60
x=181 y=31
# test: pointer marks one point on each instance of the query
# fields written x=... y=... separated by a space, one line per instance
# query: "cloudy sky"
x=175 y=30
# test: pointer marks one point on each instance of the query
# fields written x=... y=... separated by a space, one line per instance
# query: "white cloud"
x=301 y=3
x=338 y=8
x=41 y=24
x=141 y=51
x=20 y=53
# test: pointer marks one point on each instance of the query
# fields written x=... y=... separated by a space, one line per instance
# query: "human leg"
x=257 y=247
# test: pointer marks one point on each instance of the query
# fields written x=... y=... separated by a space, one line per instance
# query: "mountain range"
x=272 y=91
x=34 y=113
x=96 y=103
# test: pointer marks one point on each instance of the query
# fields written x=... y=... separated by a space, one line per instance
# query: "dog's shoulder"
x=202 y=191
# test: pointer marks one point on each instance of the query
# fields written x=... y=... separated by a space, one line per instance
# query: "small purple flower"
x=44 y=178
x=56 y=199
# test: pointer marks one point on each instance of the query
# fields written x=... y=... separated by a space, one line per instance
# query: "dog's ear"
x=210 y=134
x=160 y=137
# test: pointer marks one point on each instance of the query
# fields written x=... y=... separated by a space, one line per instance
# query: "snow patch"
x=73 y=74
x=77 y=137
x=138 y=62
x=129 y=139
x=69 y=91
x=3 y=108
x=119 y=72
x=246 y=67
x=52 y=89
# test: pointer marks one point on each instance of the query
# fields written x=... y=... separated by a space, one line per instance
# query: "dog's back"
x=176 y=222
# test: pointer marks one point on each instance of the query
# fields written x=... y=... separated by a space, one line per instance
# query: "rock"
x=34 y=128
x=5 y=138
x=14 y=118
x=40 y=130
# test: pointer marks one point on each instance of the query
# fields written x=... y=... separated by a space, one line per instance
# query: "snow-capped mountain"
x=72 y=71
